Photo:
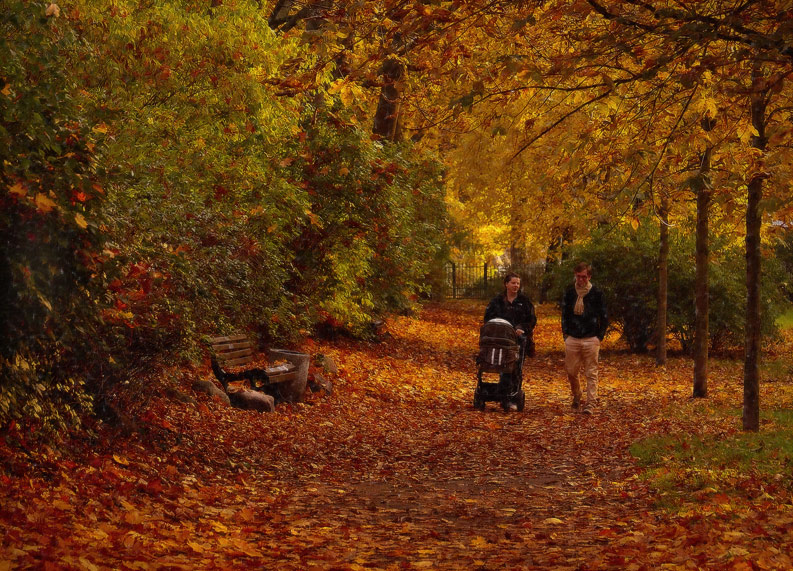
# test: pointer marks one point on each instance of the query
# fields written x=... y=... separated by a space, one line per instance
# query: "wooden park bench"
x=233 y=359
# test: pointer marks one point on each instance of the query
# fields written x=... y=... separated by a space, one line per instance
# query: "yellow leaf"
x=344 y=171
x=246 y=514
x=80 y=219
x=219 y=527
x=129 y=540
x=6 y=90
x=43 y=203
x=346 y=95
x=17 y=190
x=101 y=128
x=133 y=517
x=120 y=460
x=553 y=520
x=53 y=10
x=126 y=505
x=61 y=505
x=197 y=547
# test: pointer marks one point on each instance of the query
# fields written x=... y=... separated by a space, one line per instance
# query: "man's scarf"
x=579 y=303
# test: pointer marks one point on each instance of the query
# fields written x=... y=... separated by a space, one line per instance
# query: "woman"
x=516 y=308
x=513 y=306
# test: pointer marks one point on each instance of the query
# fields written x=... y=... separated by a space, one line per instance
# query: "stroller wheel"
x=479 y=402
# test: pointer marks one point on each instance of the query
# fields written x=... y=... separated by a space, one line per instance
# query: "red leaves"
x=395 y=457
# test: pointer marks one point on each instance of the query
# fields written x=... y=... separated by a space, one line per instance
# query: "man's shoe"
x=589 y=409
x=576 y=402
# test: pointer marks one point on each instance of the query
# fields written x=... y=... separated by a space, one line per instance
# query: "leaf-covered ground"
x=396 y=470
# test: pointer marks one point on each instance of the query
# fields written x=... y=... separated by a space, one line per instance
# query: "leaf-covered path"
x=394 y=470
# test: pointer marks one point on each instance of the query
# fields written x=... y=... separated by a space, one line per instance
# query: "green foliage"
x=49 y=223
x=625 y=262
x=785 y=321
x=783 y=250
x=155 y=189
x=374 y=225
x=727 y=294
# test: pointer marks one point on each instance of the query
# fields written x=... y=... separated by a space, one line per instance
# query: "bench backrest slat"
x=236 y=362
x=228 y=339
x=231 y=345
x=229 y=355
x=231 y=350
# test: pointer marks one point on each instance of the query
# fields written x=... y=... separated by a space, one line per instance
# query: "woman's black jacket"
x=520 y=313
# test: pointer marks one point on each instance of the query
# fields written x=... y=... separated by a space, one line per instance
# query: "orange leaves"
x=17 y=190
x=44 y=203
x=396 y=470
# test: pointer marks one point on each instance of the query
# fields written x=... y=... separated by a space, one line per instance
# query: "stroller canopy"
x=498 y=329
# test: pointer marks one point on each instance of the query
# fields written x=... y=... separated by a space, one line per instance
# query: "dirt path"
x=409 y=475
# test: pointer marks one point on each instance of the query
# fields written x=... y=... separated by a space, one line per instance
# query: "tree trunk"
x=282 y=19
x=386 y=118
x=663 y=284
x=751 y=373
x=701 y=286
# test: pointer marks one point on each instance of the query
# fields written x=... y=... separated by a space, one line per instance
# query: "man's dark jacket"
x=594 y=321
x=520 y=313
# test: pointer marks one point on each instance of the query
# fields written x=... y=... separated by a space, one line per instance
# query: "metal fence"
x=482 y=281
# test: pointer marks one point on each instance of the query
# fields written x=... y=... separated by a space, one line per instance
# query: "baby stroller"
x=501 y=351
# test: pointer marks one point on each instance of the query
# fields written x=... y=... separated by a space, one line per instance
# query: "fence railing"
x=482 y=281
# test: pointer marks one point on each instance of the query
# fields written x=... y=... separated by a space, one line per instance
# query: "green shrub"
x=625 y=267
x=374 y=227
x=783 y=250
x=156 y=190
x=50 y=276
x=623 y=264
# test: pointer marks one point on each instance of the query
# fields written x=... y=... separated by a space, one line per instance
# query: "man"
x=584 y=323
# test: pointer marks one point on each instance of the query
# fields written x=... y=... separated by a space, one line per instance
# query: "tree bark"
x=282 y=19
x=387 y=117
x=751 y=373
x=663 y=284
x=701 y=285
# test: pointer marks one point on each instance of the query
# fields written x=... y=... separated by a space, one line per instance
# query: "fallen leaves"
x=397 y=471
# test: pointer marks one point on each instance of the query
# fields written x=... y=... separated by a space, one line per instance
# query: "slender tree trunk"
x=387 y=115
x=663 y=284
x=751 y=373
x=701 y=286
